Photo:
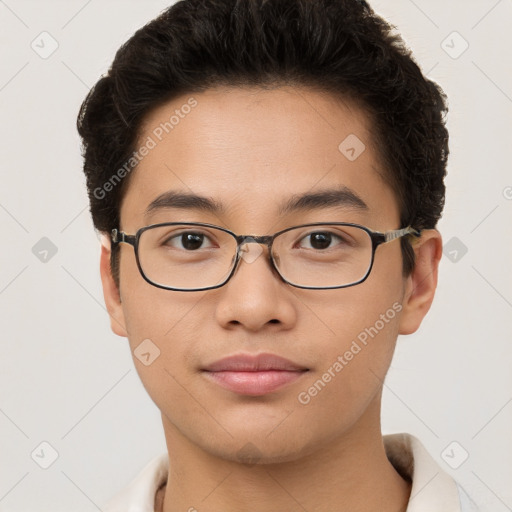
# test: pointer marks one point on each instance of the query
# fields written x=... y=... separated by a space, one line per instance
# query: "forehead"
x=251 y=149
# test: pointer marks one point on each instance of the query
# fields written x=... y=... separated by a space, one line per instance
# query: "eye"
x=321 y=240
x=188 y=240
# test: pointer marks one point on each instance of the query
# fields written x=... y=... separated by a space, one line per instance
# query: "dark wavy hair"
x=338 y=46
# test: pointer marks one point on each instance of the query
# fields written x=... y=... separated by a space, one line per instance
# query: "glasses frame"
x=377 y=238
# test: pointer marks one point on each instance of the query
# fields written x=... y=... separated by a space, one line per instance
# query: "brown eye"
x=189 y=241
x=321 y=240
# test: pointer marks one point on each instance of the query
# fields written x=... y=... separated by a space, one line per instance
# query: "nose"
x=255 y=295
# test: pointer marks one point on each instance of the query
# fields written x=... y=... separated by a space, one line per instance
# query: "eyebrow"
x=342 y=197
x=328 y=198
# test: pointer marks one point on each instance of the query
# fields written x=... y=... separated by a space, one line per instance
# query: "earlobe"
x=111 y=293
x=422 y=282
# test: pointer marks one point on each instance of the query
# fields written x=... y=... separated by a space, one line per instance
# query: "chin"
x=259 y=448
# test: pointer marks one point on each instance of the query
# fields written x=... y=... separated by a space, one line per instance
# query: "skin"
x=251 y=149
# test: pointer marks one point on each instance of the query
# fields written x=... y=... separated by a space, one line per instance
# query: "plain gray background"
x=67 y=380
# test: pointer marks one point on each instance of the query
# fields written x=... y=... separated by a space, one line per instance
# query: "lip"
x=253 y=363
x=254 y=374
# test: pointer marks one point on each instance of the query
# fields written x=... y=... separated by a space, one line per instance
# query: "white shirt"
x=433 y=490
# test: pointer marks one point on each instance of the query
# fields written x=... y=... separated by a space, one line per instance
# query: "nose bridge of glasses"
x=253 y=239
x=245 y=251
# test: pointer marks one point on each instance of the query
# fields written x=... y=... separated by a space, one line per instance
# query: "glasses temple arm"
x=399 y=233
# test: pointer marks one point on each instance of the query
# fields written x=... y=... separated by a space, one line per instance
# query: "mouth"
x=258 y=375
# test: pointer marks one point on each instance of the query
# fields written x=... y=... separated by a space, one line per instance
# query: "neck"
x=348 y=473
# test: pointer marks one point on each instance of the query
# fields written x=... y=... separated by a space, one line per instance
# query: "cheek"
x=162 y=331
x=356 y=332
x=360 y=337
x=166 y=318
x=354 y=364
x=162 y=342
x=149 y=311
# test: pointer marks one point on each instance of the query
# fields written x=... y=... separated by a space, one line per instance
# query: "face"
x=251 y=150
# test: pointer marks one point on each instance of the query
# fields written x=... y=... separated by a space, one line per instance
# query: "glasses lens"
x=323 y=256
x=186 y=257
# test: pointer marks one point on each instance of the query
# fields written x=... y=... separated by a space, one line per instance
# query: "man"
x=268 y=175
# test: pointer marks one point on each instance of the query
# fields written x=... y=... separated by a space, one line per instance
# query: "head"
x=249 y=103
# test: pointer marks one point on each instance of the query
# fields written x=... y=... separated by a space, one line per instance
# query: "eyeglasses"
x=192 y=256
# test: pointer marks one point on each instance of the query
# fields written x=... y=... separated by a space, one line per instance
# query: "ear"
x=422 y=282
x=110 y=291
